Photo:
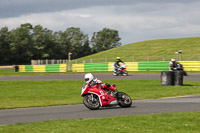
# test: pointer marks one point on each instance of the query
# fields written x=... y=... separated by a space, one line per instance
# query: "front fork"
x=92 y=98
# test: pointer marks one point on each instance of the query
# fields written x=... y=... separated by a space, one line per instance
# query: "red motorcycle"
x=95 y=97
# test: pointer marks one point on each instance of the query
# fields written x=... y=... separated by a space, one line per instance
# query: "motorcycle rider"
x=123 y=66
x=174 y=65
x=117 y=65
x=91 y=81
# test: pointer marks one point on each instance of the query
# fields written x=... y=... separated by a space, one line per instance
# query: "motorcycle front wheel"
x=115 y=73
x=91 y=101
x=125 y=73
x=125 y=100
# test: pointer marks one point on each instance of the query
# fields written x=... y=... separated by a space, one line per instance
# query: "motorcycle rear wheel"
x=91 y=101
x=125 y=101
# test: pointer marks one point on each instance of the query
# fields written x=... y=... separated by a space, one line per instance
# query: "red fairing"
x=94 y=89
x=104 y=97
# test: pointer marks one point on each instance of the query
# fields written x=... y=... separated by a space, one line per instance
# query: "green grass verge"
x=18 y=94
x=10 y=72
x=154 y=48
x=155 y=123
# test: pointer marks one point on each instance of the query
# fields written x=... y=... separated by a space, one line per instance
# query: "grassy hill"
x=154 y=50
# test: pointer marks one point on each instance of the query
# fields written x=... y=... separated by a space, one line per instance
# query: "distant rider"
x=123 y=66
x=117 y=65
x=91 y=81
x=174 y=65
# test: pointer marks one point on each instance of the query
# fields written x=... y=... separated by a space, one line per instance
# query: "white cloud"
x=135 y=22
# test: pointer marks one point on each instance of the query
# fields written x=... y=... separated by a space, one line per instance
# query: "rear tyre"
x=91 y=101
x=125 y=101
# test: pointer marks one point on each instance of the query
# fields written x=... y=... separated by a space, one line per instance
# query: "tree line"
x=20 y=45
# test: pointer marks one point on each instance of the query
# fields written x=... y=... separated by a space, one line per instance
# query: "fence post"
x=199 y=57
x=32 y=62
x=91 y=60
x=69 y=67
x=163 y=58
x=133 y=59
x=147 y=58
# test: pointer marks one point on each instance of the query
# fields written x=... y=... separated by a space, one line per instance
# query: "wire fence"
x=46 y=62
x=178 y=57
x=140 y=59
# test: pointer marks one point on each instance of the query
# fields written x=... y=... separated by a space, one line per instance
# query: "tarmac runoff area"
x=149 y=106
x=107 y=76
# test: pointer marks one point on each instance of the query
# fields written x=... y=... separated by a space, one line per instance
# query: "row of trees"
x=27 y=42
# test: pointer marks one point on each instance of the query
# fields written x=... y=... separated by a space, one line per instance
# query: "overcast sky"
x=136 y=20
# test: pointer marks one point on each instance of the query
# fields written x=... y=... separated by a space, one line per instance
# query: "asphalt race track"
x=107 y=76
x=150 y=106
x=25 y=115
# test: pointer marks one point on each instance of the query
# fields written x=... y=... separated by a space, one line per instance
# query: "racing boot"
x=117 y=94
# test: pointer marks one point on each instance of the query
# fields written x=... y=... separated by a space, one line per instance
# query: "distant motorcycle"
x=120 y=71
x=95 y=97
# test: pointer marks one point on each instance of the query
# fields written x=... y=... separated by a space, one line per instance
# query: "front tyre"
x=125 y=100
x=115 y=73
x=91 y=101
x=125 y=73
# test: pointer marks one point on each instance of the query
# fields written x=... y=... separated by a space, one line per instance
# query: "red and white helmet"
x=88 y=77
